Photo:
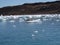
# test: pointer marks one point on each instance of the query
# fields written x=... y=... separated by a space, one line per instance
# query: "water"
x=17 y=32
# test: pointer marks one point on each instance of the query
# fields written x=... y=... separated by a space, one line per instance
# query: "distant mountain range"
x=32 y=8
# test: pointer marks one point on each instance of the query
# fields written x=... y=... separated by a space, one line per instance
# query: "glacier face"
x=29 y=18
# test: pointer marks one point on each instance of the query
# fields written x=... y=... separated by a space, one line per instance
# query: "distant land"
x=32 y=8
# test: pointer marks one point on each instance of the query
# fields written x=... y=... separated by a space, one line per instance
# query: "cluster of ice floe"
x=29 y=18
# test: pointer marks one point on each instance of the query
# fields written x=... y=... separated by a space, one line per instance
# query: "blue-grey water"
x=24 y=33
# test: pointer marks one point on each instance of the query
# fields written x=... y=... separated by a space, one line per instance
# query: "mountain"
x=32 y=8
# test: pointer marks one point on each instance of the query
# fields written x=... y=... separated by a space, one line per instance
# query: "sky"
x=4 y=3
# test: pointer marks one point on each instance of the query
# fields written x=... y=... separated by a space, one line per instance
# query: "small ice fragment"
x=12 y=21
x=33 y=35
x=36 y=31
x=45 y=19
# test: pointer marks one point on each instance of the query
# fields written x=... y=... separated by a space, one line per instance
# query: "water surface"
x=45 y=32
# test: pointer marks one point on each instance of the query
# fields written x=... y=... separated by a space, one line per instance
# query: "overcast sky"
x=19 y=2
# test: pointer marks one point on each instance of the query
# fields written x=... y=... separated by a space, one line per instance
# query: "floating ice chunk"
x=36 y=31
x=21 y=20
x=33 y=35
x=44 y=19
x=11 y=21
x=37 y=20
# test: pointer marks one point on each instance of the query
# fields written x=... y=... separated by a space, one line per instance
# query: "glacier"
x=29 y=18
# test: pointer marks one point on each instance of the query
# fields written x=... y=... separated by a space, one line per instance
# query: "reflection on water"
x=14 y=31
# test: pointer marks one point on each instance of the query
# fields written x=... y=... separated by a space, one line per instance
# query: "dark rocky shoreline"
x=32 y=8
